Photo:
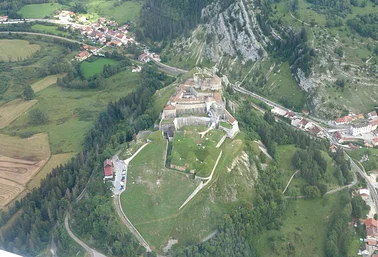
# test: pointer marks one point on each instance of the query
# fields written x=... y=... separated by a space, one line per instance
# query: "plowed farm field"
x=20 y=161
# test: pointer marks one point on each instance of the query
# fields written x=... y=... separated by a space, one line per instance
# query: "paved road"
x=90 y=251
x=170 y=69
x=43 y=35
x=373 y=191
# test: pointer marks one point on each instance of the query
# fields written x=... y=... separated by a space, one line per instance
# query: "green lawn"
x=126 y=11
x=49 y=29
x=197 y=153
x=304 y=225
x=71 y=112
x=35 y=11
x=91 y=68
x=154 y=194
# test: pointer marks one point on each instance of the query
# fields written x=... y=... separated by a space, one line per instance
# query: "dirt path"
x=43 y=35
x=128 y=224
x=90 y=251
x=288 y=183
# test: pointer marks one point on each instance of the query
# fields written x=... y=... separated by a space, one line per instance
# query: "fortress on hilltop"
x=198 y=101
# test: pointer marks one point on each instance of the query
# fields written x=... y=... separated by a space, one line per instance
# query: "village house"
x=290 y=115
x=315 y=130
x=82 y=56
x=3 y=18
x=332 y=148
x=371 y=228
x=343 y=120
x=136 y=68
x=108 y=172
x=375 y=141
x=364 y=193
x=359 y=129
x=373 y=124
x=306 y=124
x=144 y=58
x=372 y=115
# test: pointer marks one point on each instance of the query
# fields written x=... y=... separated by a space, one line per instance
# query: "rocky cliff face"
x=233 y=32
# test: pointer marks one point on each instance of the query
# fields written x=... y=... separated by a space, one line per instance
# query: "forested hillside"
x=41 y=209
x=165 y=19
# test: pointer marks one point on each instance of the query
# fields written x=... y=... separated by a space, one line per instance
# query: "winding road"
x=43 y=35
x=90 y=251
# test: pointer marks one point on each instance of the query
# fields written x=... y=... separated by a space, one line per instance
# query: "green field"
x=305 y=225
x=34 y=11
x=154 y=194
x=13 y=50
x=197 y=153
x=126 y=11
x=49 y=30
x=95 y=67
x=71 y=112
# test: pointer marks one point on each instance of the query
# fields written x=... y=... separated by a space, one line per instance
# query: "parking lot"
x=120 y=175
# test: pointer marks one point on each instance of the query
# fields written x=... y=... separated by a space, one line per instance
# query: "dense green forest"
x=365 y=25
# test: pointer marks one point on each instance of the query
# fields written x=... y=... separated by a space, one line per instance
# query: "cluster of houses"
x=148 y=56
x=371 y=225
x=107 y=32
x=360 y=124
x=300 y=122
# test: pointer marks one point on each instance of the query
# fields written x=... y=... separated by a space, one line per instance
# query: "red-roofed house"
x=372 y=115
x=85 y=47
x=169 y=112
x=108 y=173
x=306 y=124
x=375 y=141
x=82 y=56
x=144 y=58
x=374 y=124
x=340 y=121
x=3 y=18
x=371 y=227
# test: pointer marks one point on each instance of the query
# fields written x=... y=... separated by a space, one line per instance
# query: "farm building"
x=108 y=173
x=82 y=56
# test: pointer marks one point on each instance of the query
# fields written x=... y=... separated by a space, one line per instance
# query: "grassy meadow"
x=34 y=11
x=125 y=11
x=71 y=112
x=196 y=152
x=91 y=68
x=49 y=29
x=305 y=225
x=13 y=50
x=154 y=193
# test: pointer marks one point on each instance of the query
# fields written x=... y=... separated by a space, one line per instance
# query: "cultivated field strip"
x=12 y=110
x=8 y=190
